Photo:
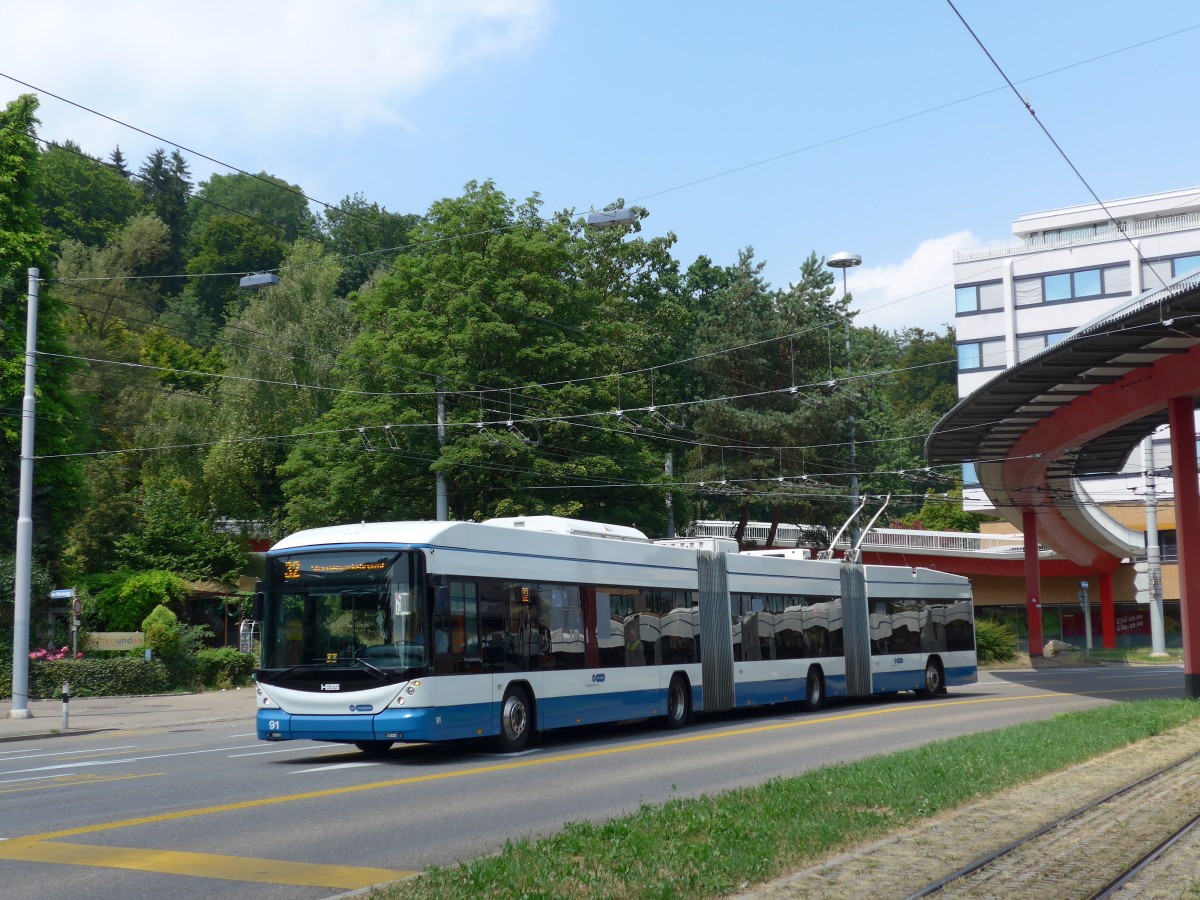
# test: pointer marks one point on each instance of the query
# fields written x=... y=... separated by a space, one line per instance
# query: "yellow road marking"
x=204 y=865
x=76 y=781
x=528 y=762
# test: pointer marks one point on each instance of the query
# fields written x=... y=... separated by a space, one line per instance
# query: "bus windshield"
x=345 y=607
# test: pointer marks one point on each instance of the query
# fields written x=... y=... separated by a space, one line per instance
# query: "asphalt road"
x=209 y=811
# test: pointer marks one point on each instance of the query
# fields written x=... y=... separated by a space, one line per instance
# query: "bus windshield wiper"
x=378 y=672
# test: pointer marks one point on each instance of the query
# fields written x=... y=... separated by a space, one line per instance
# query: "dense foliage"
x=179 y=417
x=994 y=641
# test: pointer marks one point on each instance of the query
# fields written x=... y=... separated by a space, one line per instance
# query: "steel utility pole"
x=846 y=261
x=443 y=507
x=24 y=560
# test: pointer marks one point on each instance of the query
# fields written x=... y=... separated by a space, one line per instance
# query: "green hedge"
x=93 y=678
x=224 y=667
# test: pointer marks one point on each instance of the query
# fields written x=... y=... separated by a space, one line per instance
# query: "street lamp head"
x=257 y=280
x=844 y=260
x=609 y=218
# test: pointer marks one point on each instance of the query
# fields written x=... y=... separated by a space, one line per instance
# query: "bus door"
x=510 y=641
x=456 y=645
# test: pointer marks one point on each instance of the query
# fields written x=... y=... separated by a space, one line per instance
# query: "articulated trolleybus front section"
x=430 y=631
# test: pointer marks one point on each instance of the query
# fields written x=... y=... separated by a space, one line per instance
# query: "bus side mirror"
x=441 y=600
x=257 y=608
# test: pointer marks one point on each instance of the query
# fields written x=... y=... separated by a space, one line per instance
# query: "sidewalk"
x=87 y=715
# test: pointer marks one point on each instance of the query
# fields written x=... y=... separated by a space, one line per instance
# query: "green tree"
x=911 y=385
x=81 y=198
x=281 y=352
x=109 y=512
x=228 y=243
x=23 y=244
x=175 y=538
x=278 y=206
x=497 y=309
x=125 y=607
x=779 y=356
x=166 y=183
x=111 y=323
x=944 y=512
x=364 y=236
x=117 y=160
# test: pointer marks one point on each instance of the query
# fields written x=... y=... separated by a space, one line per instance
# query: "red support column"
x=1187 y=534
x=1108 y=612
x=1033 y=584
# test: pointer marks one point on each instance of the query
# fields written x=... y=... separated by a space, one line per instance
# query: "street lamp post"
x=24 y=561
x=846 y=261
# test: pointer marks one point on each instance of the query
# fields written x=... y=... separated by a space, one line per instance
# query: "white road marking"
x=349 y=765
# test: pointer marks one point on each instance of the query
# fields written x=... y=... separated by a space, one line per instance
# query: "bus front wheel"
x=516 y=720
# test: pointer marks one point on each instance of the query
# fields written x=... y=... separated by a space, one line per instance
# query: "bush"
x=161 y=628
x=95 y=678
x=994 y=641
x=137 y=597
x=176 y=645
x=224 y=667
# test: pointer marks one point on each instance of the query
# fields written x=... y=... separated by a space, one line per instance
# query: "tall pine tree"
x=166 y=185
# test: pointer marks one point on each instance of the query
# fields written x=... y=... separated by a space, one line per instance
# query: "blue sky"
x=761 y=124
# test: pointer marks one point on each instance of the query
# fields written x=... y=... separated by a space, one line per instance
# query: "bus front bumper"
x=389 y=725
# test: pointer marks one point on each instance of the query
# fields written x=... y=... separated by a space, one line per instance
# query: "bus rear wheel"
x=677 y=703
x=934 y=682
x=516 y=720
x=814 y=690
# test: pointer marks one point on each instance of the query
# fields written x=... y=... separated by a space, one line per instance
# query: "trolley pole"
x=24 y=560
x=670 y=470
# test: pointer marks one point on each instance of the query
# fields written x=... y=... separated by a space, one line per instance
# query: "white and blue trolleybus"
x=435 y=631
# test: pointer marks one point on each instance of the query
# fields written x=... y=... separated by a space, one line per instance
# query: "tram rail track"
x=1109 y=824
x=1096 y=855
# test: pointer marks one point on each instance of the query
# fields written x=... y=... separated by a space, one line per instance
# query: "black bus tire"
x=814 y=690
x=516 y=720
x=678 y=703
x=935 y=680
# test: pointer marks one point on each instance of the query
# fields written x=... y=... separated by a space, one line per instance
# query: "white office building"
x=1064 y=268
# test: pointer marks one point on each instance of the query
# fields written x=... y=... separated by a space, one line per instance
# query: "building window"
x=1159 y=271
x=1031 y=344
x=971 y=298
x=981 y=355
x=969 y=477
x=1084 y=284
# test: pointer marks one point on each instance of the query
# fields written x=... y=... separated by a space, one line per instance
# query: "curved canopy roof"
x=1078 y=408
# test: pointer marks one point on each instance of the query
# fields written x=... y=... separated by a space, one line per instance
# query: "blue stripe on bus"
x=761 y=693
x=900 y=680
x=562 y=712
x=962 y=675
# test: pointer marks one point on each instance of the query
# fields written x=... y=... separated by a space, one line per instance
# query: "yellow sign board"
x=115 y=640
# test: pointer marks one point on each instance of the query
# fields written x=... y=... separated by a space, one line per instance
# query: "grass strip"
x=714 y=845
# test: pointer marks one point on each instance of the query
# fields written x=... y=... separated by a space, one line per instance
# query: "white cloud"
x=302 y=68
x=916 y=292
